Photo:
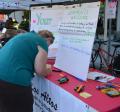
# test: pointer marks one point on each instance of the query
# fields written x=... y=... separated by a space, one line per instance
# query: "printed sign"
x=111 y=9
x=77 y=30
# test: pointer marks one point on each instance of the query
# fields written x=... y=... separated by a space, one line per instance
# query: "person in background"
x=9 y=34
x=21 y=57
x=9 y=23
x=24 y=24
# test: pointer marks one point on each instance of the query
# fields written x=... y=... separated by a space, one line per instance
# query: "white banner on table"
x=77 y=29
x=49 y=97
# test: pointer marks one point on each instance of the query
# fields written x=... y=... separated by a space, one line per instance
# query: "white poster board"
x=77 y=29
x=44 y=18
x=49 y=97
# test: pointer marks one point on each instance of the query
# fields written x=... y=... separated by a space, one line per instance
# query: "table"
x=98 y=102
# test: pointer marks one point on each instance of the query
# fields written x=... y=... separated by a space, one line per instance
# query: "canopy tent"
x=9 y=6
x=25 y=4
x=7 y=12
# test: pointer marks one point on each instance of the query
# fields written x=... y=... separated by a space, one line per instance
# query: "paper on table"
x=52 y=53
x=106 y=78
x=85 y=95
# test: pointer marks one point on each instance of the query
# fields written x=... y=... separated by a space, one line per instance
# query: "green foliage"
x=24 y=25
x=26 y=14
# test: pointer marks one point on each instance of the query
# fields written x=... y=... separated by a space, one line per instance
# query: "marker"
x=56 y=70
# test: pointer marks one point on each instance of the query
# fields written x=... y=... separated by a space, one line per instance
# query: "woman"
x=20 y=58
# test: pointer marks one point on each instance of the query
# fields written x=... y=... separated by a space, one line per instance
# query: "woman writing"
x=20 y=58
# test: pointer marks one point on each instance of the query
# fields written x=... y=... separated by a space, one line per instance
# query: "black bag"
x=116 y=66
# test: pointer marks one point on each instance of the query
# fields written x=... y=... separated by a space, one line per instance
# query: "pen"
x=56 y=70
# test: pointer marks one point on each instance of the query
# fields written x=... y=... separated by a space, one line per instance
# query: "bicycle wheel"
x=92 y=59
x=96 y=60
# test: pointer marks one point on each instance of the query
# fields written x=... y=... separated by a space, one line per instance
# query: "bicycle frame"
x=102 y=55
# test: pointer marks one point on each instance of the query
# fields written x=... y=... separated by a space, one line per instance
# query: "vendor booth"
x=70 y=88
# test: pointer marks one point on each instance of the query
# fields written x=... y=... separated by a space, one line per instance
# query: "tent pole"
x=29 y=20
x=105 y=20
x=51 y=3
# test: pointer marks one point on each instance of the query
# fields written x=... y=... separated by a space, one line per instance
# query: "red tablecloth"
x=98 y=101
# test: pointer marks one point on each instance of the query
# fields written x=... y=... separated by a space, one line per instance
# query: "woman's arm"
x=41 y=68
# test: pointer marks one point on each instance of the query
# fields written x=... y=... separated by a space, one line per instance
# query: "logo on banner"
x=49 y=101
x=44 y=102
x=39 y=20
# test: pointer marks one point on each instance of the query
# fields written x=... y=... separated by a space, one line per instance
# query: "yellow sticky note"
x=85 y=95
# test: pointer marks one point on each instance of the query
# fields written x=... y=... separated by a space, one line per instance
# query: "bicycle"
x=98 y=57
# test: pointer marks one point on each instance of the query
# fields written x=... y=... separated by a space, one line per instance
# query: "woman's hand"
x=49 y=68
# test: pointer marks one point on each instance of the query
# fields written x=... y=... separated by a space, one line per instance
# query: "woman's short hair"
x=47 y=34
